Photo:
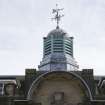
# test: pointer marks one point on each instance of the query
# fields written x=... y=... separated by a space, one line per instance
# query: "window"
x=1 y=88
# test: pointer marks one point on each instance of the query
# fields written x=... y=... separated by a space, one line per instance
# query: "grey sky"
x=24 y=23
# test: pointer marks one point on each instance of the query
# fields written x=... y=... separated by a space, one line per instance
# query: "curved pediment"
x=59 y=87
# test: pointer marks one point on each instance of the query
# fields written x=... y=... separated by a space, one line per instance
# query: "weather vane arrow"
x=58 y=16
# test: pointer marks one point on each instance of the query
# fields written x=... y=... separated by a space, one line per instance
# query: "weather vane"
x=58 y=16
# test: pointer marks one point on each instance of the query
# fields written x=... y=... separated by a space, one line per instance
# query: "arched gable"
x=41 y=77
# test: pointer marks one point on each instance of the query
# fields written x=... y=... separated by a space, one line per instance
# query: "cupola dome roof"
x=58 y=31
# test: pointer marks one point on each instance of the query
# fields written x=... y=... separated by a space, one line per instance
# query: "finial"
x=57 y=17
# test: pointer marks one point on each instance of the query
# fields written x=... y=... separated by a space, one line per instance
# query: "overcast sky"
x=24 y=23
